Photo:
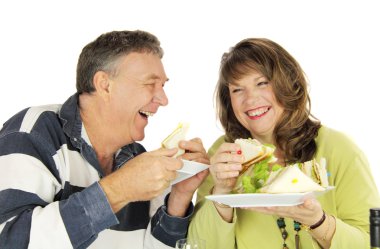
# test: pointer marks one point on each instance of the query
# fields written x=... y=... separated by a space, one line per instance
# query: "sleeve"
x=29 y=210
x=355 y=192
x=167 y=229
x=206 y=223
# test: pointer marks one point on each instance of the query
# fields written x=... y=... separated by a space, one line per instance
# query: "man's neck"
x=98 y=132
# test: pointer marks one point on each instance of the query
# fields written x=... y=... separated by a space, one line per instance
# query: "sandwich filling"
x=260 y=173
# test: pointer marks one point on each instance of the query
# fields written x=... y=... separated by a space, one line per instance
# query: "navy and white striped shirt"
x=49 y=191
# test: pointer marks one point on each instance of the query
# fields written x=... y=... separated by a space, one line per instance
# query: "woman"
x=262 y=94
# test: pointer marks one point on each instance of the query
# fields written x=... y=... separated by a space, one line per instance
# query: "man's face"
x=136 y=94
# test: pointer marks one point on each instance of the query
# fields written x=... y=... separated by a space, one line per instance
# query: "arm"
x=207 y=224
x=356 y=193
x=214 y=224
x=167 y=229
x=144 y=178
x=183 y=192
x=29 y=188
x=355 y=190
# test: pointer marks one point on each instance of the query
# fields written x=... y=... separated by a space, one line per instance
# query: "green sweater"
x=354 y=194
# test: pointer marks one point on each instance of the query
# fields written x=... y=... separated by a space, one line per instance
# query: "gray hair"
x=103 y=54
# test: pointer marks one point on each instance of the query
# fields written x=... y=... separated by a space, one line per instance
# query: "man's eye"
x=150 y=83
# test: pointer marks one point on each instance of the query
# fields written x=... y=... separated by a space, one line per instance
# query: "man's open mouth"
x=146 y=114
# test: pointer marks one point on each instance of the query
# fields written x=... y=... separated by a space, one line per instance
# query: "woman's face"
x=255 y=105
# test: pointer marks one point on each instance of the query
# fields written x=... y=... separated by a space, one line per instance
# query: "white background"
x=336 y=43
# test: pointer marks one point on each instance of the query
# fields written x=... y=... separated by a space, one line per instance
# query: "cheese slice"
x=177 y=135
x=291 y=180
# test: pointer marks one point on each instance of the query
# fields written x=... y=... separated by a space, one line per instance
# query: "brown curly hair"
x=296 y=130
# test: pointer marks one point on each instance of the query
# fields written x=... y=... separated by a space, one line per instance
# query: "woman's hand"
x=307 y=213
x=225 y=167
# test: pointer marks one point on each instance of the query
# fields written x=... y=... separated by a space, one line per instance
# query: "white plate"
x=264 y=200
x=189 y=169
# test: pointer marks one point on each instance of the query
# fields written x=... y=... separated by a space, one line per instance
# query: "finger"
x=202 y=160
x=227 y=174
x=192 y=156
x=171 y=175
x=228 y=148
x=172 y=164
x=197 y=140
x=203 y=174
x=266 y=210
x=310 y=204
x=223 y=167
x=193 y=145
x=227 y=157
x=164 y=152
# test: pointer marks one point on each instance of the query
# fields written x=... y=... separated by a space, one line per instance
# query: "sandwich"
x=291 y=179
x=257 y=165
x=173 y=139
x=262 y=175
x=253 y=152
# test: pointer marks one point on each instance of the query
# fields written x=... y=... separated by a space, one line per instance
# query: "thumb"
x=310 y=204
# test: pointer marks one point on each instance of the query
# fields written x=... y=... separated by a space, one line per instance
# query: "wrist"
x=316 y=224
x=218 y=204
x=215 y=190
x=178 y=204
x=113 y=195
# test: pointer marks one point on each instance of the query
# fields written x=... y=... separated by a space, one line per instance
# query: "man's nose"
x=160 y=97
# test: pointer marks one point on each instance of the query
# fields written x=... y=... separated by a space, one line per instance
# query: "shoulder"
x=330 y=139
x=218 y=142
x=340 y=151
x=31 y=119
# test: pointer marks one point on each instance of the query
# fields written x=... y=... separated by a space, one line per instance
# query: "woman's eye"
x=263 y=83
x=236 y=90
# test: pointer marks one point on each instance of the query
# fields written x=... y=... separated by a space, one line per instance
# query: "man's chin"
x=138 y=137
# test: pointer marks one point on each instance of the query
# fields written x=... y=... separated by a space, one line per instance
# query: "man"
x=73 y=175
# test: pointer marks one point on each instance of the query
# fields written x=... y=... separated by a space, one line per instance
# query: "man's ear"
x=101 y=83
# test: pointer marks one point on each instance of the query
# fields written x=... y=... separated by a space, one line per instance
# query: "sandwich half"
x=177 y=135
x=291 y=180
x=253 y=152
x=275 y=179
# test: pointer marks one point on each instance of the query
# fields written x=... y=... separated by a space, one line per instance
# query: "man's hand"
x=142 y=178
x=182 y=192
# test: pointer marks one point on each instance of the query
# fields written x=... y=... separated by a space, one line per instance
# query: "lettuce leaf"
x=248 y=185
x=252 y=182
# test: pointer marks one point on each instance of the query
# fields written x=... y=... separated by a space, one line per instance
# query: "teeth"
x=149 y=114
x=258 y=112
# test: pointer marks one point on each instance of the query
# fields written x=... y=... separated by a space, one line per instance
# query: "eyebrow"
x=156 y=77
x=255 y=79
